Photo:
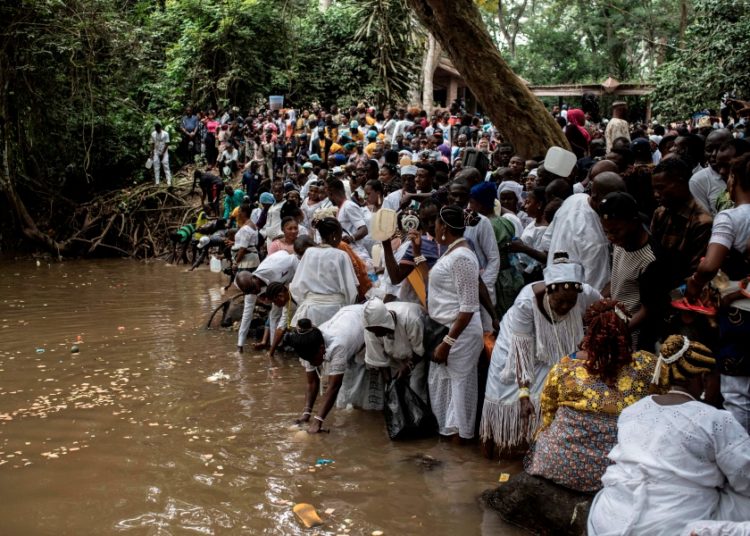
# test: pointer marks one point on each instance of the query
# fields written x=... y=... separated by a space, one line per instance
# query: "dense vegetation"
x=83 y=80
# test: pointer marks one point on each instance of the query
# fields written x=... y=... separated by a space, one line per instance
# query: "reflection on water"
x=127 y=435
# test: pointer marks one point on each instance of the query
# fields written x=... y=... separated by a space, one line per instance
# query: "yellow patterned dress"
x=579 y=420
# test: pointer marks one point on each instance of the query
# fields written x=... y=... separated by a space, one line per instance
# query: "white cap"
x=559 y=161
x=409 y=170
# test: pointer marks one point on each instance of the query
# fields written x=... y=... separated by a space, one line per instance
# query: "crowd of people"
x=587 y=309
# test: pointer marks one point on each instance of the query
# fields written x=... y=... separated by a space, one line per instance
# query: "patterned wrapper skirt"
x=572 y=451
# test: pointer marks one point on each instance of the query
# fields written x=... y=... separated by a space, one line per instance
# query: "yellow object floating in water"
x=307 y=514
x=504 y=477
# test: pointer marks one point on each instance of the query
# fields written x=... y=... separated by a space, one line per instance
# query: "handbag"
x=432 y=335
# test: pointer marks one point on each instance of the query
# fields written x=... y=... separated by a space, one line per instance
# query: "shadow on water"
x=127 y=436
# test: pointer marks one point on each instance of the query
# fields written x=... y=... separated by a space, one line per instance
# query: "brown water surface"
x=128 y=437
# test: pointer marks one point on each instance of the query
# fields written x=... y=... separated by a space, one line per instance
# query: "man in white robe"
x=577 y=230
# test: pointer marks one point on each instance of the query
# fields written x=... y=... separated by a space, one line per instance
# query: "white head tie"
x=669 y=360
x=563 y=270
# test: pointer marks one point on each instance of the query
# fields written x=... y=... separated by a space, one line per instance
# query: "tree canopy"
x=83 y=80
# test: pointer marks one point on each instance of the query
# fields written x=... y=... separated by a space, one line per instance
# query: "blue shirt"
x=190 y=122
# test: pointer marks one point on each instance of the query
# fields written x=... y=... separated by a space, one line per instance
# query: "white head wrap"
x=563 y=271
x=409 y=170
x=510 y=186
x=377 y=315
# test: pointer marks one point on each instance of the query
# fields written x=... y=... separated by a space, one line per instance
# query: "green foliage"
x=65 y=65
x=83 y=80
x=331 y=66
x=566 y=42
x=713 y=60
x=387 y=26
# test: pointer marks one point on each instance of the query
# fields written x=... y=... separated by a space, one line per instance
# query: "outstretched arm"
x=334 y=385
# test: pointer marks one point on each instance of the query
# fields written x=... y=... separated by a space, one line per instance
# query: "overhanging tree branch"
x=519 y=115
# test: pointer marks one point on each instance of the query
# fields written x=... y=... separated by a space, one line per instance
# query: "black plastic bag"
x=407 y=416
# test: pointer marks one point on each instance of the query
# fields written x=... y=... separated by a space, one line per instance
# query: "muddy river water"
x=128 y=437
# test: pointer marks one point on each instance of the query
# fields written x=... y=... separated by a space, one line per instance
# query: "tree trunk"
x=430 y=63
x=514 y=110
x=683 y=22
x=323 y=5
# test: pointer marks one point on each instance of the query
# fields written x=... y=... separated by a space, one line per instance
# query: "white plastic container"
x=276 y=102
x=215 y=264
x=559 y=161
x=383 y=224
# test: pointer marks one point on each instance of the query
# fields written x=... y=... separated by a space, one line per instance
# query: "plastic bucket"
x=276 y=102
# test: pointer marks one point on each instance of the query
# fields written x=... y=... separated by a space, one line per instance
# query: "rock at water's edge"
x=540 y=506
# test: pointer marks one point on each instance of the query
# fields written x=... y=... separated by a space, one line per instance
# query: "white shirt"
x=160 y=141
x=352 y=217
x=247 y=238
x=577 y=230
x=389 y=128
x=393 y=200
x=405 y=341
x=731 y=229
x=229 y=156
x=482 y=237
x=272 y=228
x=401 y=127
x=278 y=267
x=706 y=186
x=343 y=337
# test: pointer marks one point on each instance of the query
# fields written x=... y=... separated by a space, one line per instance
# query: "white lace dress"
x=526 y=347
x=453 y=289
x=673 y=465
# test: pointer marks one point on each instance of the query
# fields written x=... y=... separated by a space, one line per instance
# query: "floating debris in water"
x=217 y=376
x=307 y=514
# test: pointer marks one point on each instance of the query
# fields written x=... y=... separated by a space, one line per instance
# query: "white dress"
x=673 y=465
x=246 y=237
x=343 y=335
x=453 y=289
x=527 y=347
x=532 y=236
x=577 y=230
x=352 y=217
x=323 y=283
